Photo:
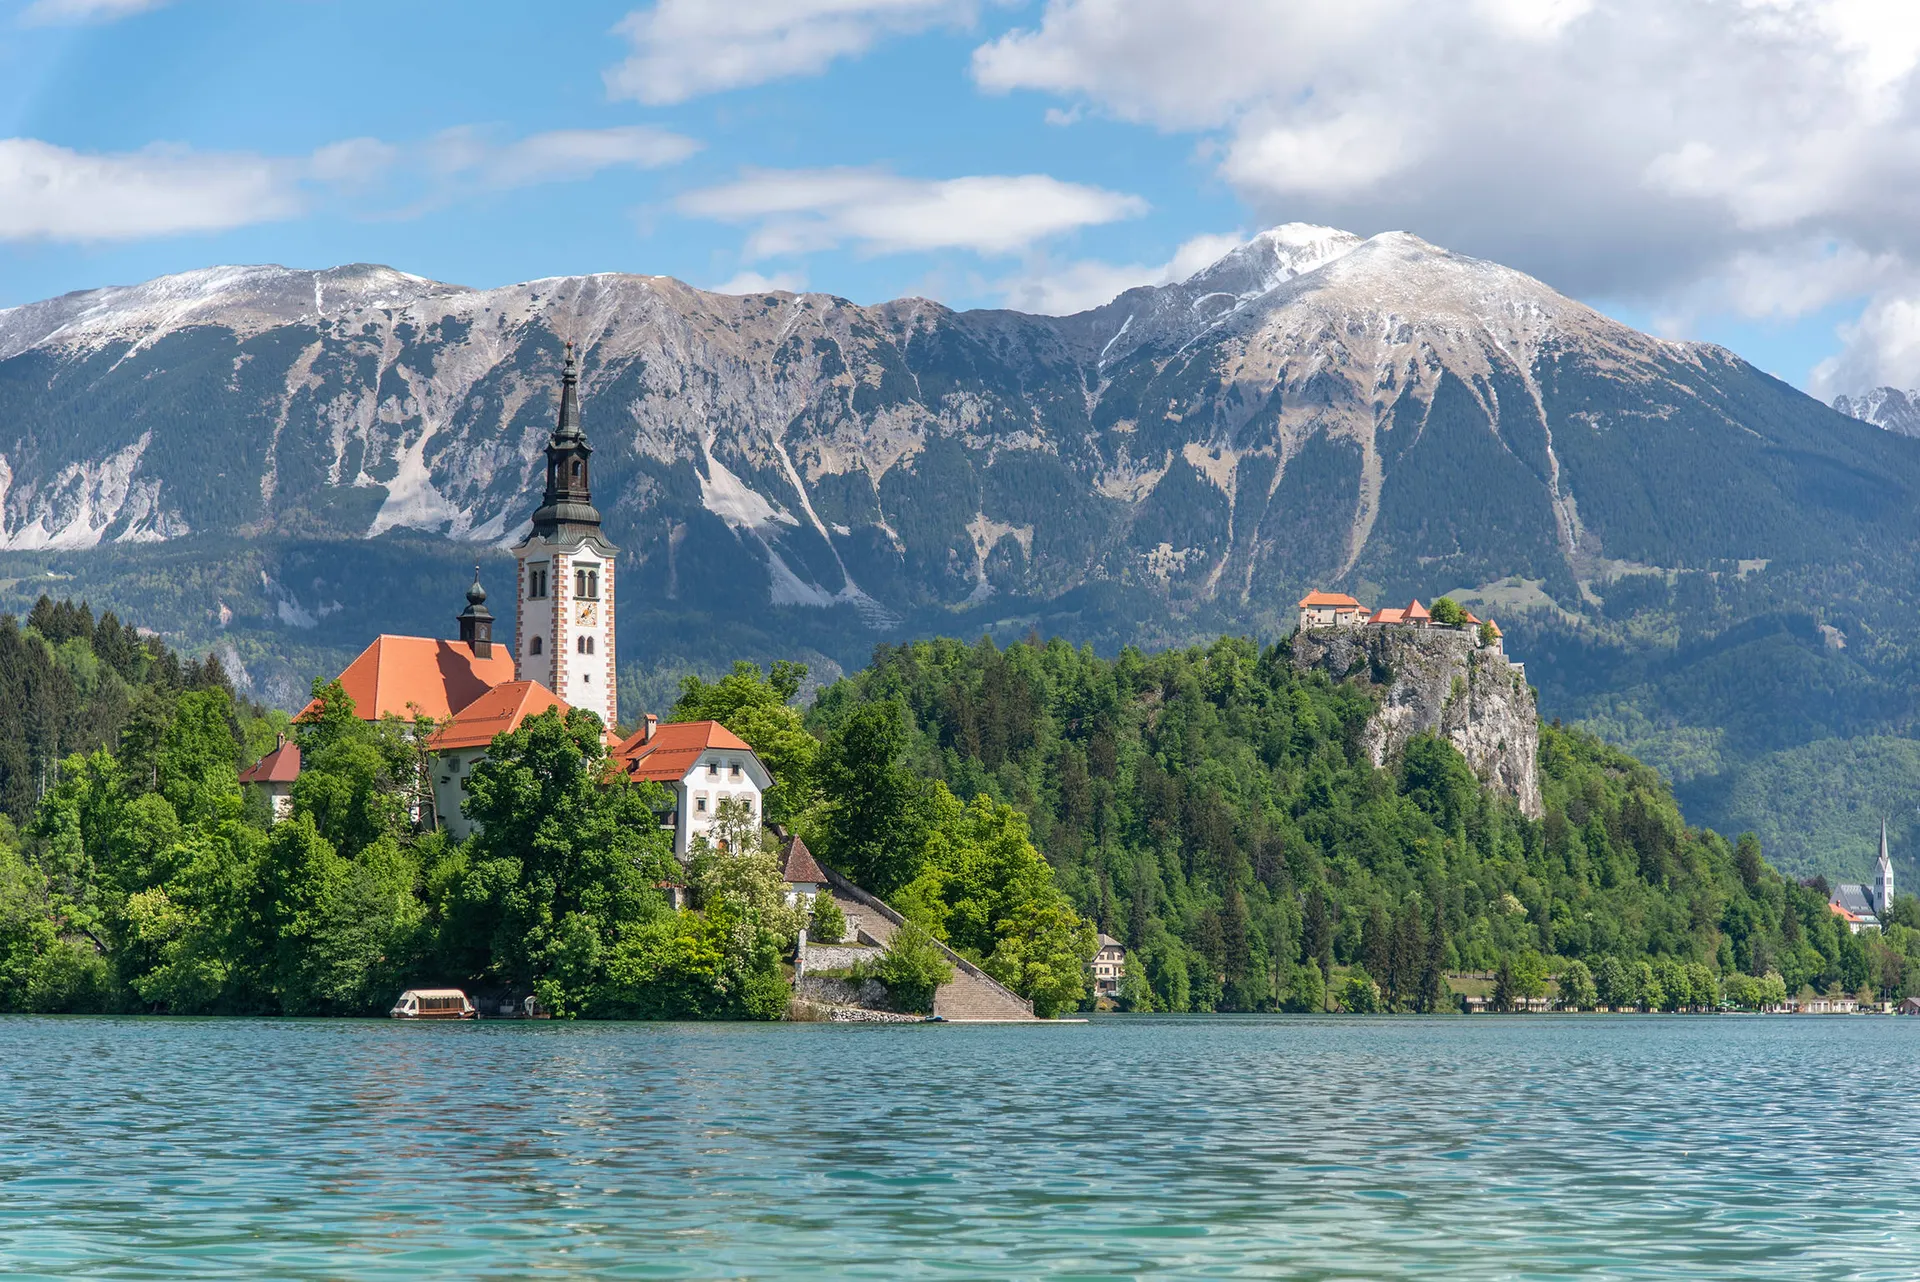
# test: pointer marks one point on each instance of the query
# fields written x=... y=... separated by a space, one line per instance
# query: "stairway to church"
x=970 y=996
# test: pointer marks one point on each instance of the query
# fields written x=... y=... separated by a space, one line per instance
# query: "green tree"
x=758 y=709
x=829 y=925
x=913 y=968
x=1577 y=988
x=566 y=860
x=1359 y=994
x=1448 y=612
x=873 y=826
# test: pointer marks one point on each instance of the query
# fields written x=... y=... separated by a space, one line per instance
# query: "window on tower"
x=586 y=584
x=536 y=581
x=533 y=646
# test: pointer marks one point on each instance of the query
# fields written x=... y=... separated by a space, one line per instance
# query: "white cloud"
x=1076 y=286
x=558 y=156
x=1656 y=150
x=53 y=13
x=48 y=192
x=1880 y=349
x=755 y=283
x=800 y=210
x=685 y=48
x=52 y=193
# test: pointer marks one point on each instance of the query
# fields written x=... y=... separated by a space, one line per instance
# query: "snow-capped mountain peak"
x=1889 y=407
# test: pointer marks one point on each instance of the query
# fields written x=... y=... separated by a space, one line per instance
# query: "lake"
x=1548 y=1147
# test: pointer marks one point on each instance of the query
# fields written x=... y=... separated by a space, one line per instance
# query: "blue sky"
x=1041 y=154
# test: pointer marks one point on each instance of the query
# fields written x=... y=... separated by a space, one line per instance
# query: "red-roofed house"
x=420 y=676
x=274 y=774
x=1330 y=610
x=801 y=872
x=1388 y=616
x=1416 y=615
x=460 y=743
x=702 y=763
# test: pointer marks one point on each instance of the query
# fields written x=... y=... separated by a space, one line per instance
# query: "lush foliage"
x=1213 y=809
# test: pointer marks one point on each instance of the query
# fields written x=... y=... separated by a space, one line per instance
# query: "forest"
x=1210 y=807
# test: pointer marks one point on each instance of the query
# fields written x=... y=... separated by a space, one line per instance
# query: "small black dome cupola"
x=567 y=508
x=476 y=621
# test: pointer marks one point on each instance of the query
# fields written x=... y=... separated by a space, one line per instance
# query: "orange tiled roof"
x=674 y=748
x=1495 y=627
x=1388 y=616
x=1415 y=611
x=498 y=711
x=435 y=677
x=1328 y=598
x=282 y=765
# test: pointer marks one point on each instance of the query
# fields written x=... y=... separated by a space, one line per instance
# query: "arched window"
x=533 y=646
x=586 y=584
x=578 y=469
x=583 y=645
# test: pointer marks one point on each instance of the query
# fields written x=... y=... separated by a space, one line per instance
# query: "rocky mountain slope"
x=1439 y=681
x=283 y=462
x=1888 y=407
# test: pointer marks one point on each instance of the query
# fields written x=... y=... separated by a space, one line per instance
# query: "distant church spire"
x=1883 y=877
x=566 y=509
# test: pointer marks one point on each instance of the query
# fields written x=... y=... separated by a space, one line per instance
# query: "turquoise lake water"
x=1544 y=1147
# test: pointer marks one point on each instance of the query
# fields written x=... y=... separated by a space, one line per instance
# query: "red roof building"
x=1329 y=610
x=702 y=763
x=274 y=774
x=463 y=741
x=419 y=676
x=801 y=871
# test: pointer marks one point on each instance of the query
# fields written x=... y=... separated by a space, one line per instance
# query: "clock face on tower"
x=584 y=613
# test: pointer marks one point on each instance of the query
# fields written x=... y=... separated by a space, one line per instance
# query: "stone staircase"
x=971 y=995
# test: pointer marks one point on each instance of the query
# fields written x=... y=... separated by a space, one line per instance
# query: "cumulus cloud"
x=1085 y=283
x=795 y=211
x=1880 y=349
x=1639 y=149
x=685 y=48
x=53 y=193
x=54 y=13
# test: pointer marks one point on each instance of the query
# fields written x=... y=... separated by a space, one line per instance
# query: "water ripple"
x=1232 y=1147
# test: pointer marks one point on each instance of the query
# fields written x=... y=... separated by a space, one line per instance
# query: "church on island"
x=473 y=688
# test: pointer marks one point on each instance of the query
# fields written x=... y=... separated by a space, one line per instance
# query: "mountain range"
x=1692 y=556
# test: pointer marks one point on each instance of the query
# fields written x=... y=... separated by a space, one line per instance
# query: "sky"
x=1741 y=171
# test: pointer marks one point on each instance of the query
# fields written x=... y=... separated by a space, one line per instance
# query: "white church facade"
x=1866 y=906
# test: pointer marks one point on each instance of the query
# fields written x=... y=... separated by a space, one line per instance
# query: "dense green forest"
x=1209 y=807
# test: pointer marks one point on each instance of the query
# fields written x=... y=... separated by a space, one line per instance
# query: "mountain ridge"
x=275 y=461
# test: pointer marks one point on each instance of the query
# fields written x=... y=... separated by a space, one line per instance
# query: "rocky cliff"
x=1439 y=681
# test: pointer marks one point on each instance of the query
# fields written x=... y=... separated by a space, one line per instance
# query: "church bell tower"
x=564 y=605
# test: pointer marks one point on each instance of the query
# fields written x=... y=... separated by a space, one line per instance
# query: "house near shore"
x=1109 y=966
x=702 y=764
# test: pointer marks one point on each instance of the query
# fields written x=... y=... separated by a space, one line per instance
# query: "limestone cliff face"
x=1440 y=681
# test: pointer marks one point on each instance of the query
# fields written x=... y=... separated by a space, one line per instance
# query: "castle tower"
x=1883 y=878
x=564 y=605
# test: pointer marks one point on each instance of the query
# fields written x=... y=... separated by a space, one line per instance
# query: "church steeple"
x=1883 y=877
x=566 y=509
x=476 y=621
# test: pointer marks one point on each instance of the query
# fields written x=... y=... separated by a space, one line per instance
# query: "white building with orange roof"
x=1330 y=610
x=702 y=763
x=458 y=746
